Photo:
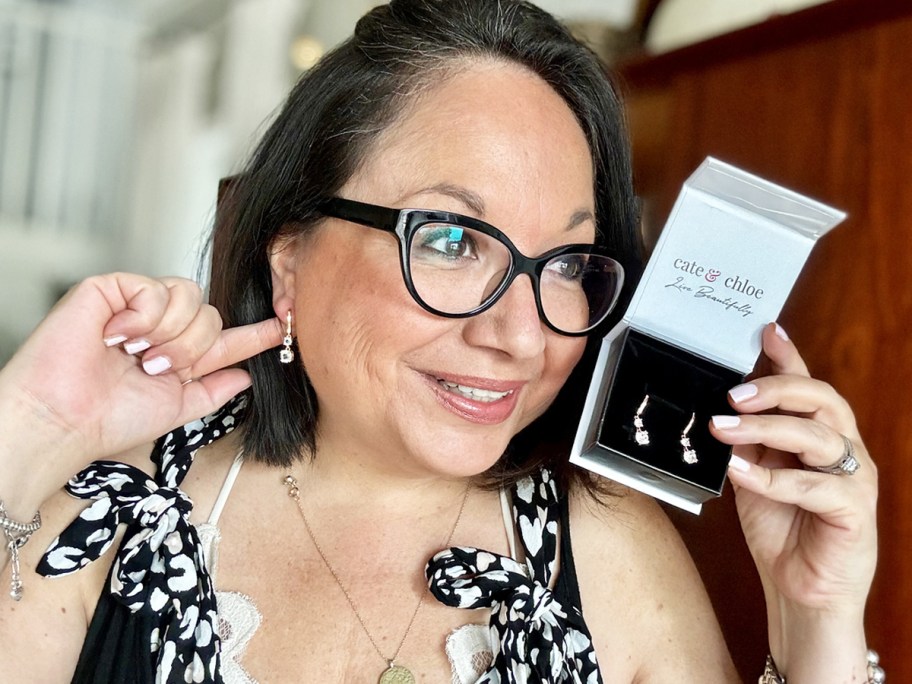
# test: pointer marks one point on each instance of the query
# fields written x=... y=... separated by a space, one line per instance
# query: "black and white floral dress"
x=157 y=621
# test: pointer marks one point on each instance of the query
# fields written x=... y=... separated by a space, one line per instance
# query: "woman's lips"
x=479 y=400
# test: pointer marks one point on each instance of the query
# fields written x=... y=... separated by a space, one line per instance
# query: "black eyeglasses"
x=457 y=266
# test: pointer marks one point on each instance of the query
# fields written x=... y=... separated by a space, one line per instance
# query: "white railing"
x=66 y=80
x=66 y=96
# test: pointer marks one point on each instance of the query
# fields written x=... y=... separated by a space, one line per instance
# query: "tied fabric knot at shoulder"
x=159 y=569
x=538 y=639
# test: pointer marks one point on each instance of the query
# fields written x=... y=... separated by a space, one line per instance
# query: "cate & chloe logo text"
x=743 y=286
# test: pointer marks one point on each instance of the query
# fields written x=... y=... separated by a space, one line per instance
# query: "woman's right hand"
x=74 y=393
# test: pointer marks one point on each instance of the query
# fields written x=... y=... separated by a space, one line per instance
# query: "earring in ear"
x=287 y=355
x=641 y=436
x=689 y=455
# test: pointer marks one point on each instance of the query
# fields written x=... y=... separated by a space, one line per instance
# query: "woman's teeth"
x=473 y=393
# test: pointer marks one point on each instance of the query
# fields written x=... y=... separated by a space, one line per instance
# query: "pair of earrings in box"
x=688 y=454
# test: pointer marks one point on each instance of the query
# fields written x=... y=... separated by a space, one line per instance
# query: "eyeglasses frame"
x=403 y=223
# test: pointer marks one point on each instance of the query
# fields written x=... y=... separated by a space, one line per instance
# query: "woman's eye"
x=449 y=241
x=570 y=267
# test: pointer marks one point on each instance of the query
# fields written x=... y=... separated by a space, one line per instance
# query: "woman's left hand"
x=813 y=535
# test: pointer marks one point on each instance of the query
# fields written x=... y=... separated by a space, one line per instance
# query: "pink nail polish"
x=137 y=346
x=739 y=464
x=743 y=392
x=726 y=422
x=780 y=332
x=157 y=365
x=114 y=340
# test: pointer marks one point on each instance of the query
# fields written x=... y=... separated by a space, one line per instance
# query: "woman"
x=411 y=416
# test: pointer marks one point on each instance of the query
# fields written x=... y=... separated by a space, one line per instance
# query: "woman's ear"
x=283 y=256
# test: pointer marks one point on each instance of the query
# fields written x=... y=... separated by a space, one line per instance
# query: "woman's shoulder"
x=204 y=480
x=74 y=588
x=625 y=535
x=640 y=589
x=53 y=616
x=56 y=610
x=623 y=516
x=57 y=515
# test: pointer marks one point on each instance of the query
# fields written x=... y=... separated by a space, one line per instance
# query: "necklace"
x=393 y=674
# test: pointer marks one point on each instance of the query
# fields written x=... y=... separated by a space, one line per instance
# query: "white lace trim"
x=469 y=651
x=238 y=619
x=209 y=537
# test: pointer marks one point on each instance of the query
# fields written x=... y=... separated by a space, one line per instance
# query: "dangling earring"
x=287 y=355
x=689 y=455
x=641 y=436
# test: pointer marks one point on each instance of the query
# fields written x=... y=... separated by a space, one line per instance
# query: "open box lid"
x=725 y=263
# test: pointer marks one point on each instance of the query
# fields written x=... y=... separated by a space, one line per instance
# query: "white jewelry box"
x=722 y=269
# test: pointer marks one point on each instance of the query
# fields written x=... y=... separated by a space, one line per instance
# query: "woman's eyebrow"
x=471 y=200
x=580 y=216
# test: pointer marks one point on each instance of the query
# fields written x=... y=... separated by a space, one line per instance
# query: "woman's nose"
x=512 y=325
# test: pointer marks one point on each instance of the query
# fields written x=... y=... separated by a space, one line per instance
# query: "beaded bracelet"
x=876 y=674
x=16 y=534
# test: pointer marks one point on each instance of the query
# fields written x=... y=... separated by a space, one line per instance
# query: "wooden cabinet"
x=821 y=102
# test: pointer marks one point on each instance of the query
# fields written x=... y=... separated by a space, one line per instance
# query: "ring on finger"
x=847 y=463
x=185 y=377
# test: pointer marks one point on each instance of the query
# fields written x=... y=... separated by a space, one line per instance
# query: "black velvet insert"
x=680 y=385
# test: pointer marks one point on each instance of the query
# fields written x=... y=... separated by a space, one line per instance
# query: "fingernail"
x=726 y=422
x=137 y=346
x=739 y=464
x=781 y=332
x=114 y=340
x=157 y=365
x=743 y=392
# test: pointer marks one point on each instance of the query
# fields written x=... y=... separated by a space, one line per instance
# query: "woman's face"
x=417 y=392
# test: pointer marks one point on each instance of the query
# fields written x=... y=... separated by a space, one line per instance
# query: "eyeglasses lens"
x=578 y=290
x=456 y=270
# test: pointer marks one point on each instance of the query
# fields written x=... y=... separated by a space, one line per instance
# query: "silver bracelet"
x=876 y=674
x=16 y=534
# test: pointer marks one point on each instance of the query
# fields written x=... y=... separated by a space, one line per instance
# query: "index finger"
x=237 y=344
x=782 y=353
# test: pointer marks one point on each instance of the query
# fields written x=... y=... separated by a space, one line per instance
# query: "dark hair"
x=326 y=129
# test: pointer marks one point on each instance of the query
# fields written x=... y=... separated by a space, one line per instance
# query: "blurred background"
x=118 y=117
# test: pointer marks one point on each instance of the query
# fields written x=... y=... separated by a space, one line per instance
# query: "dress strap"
x=566 y=588
x=226 y=488
x=508 y=522
x=535 y=637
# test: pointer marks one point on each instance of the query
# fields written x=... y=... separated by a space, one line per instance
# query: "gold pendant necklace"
x=396 y=674
x=393 y=674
